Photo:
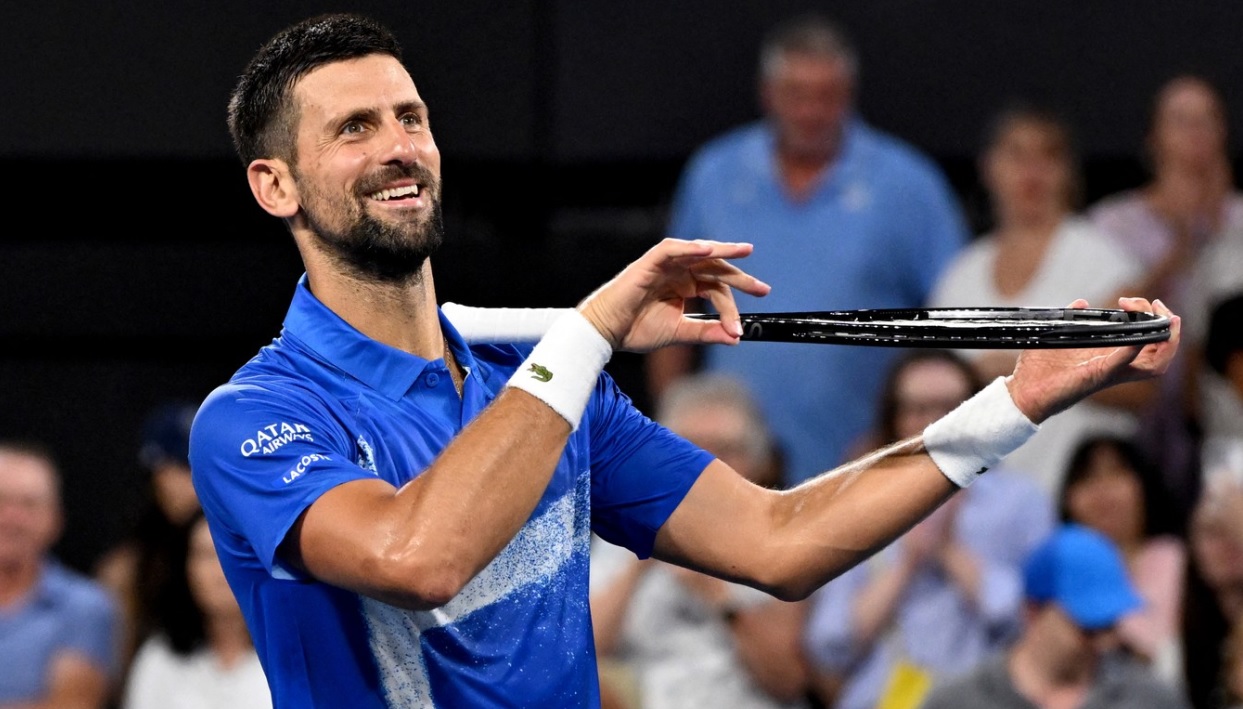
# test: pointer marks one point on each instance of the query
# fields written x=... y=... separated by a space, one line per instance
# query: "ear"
x=273 y=186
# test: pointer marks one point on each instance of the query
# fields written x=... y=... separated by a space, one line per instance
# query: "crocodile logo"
x=539 y=372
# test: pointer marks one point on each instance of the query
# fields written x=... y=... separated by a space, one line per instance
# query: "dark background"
x=136 y=267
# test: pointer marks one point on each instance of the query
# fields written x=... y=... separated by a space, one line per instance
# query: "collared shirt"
x=875 y=233
x=64 y=612
x=324 y=405
x=1120 y=684
x=935 y=626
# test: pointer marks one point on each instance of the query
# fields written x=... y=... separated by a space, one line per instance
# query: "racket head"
x=958 y=328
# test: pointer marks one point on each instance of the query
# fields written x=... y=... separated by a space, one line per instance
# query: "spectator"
x=200 y=656
x=1077 y=591
x=1214 y=590
x=1190 y=197
x=843 y=216
x=140 y=568
x=1041 y=253
x=688 y=639
x=946 y=594
x=1222 y=383
x=1188 y=205
x=58 y=643
x=1111 y=487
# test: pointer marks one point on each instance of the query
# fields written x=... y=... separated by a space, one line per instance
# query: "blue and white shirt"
x=324 y=405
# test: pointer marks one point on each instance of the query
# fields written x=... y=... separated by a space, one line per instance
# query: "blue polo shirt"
x=324 y=405
x=65 y=612
x=875 y=233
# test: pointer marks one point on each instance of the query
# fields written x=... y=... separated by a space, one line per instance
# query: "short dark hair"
x=261 y=115
x=1158 y=516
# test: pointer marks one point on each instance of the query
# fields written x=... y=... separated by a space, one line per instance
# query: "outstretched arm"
x=418 y=546
x=792 y=542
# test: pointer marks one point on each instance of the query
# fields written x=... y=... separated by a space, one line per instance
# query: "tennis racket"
x=958 y=328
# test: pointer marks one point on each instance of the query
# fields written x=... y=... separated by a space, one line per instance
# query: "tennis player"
x=405 y=518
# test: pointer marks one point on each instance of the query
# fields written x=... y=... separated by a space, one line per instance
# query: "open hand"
x=644 y=307
x=1046 y=382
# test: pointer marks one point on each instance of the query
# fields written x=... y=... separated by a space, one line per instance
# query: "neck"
x=401 y=315
x=17 y=578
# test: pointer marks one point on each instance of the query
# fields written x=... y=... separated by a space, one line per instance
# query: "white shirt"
x=163 y=679
x=1080 y=262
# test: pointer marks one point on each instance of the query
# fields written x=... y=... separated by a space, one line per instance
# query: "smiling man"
x=406 y=517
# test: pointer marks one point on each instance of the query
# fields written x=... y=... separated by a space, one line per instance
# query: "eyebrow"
x=373 y=114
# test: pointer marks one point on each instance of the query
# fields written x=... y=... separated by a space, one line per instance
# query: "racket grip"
x=977 y=434
x=486 y=326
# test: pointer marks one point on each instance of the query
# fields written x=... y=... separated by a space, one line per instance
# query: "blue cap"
x=166 y=435
x=1082 y=571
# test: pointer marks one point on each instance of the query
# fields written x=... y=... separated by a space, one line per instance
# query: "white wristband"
x=484 y=326
x=563 y=368
x=978 y=434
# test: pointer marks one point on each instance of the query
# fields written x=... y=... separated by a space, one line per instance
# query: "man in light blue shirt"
x=58 y=628
x=846 y=216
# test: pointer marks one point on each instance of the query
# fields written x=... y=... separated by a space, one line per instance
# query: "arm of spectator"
x=1159 y=579
x=610 y=602
x=74 y=682
x=767 y=639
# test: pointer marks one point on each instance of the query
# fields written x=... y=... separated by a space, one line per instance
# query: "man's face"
x=368 y=170
x=808 y=98
x=29 y=508
x=1064 y=645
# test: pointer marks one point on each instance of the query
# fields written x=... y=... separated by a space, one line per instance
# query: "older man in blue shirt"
x=846 y=216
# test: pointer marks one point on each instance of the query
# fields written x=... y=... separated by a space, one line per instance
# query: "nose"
x=399 y=143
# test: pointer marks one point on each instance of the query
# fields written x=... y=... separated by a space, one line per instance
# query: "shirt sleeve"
x=259 y=458
x=640 y=471
x=92 y=629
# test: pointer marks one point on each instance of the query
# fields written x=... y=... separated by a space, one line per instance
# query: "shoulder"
x=78 y=591
x=1127 y=203
x=731 y=146
x=1135 y=684
x=883 y=148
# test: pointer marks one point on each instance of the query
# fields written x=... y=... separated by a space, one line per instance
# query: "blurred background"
x=137 y=267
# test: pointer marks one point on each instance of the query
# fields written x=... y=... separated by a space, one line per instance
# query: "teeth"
x=396 y=193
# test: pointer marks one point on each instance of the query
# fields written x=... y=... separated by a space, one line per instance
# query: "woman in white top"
x=1041 y=253
x=202 y=657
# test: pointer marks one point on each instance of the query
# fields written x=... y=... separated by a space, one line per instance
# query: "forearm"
x=457 y=515
x=827 y=525
x=963 y=570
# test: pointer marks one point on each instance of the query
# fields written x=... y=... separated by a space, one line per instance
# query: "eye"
x=412 y=120
x=352 y=128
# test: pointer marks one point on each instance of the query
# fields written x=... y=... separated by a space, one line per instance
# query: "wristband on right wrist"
x=562 y=369
x=977 y=434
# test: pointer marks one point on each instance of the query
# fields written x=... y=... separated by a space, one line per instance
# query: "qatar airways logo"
x=271 y=437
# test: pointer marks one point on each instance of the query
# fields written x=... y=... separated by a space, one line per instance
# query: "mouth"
x=402 y=194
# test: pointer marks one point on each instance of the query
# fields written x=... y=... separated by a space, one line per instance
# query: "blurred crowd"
x=1101 y=565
